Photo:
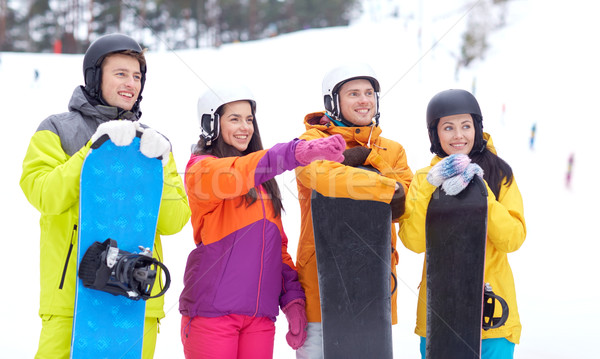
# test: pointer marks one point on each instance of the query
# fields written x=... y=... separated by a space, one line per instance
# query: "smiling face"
x=121 y=80
x=237 y=124
x=456 y=133
x=358 y=103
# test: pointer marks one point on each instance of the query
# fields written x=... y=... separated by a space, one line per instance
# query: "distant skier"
x=36 y=75
x=114 y=69
x=455 y=126
x=532 y=136
x=570 y=164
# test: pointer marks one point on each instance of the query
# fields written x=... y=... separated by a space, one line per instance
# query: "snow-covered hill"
x=541 y=68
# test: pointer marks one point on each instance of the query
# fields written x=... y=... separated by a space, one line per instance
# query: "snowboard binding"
x=107 y=268
x=489 y=304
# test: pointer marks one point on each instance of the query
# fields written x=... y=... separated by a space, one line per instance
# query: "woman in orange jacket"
x=455 y=126
x=240 y=273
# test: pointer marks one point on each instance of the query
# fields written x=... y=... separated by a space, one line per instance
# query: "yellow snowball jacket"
x=506 y=233
x=337 y=180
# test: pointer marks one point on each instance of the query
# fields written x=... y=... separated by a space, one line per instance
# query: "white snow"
x=541 y=68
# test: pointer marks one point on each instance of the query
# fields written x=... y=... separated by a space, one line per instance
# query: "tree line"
x=68 y=26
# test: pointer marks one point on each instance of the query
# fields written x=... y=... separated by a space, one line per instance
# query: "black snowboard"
x=456 y=228
x=353 y=248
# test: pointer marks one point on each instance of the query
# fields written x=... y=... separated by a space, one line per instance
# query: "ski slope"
x=541 y=68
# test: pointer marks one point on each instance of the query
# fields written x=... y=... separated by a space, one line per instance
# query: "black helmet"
x=95 y=54
x=453 y=102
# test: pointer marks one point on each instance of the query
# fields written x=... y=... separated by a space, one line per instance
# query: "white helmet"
x=335 y=78
x=215 y=97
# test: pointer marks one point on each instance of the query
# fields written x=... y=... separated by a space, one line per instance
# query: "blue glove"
x=454 y=173
x=454 y=185
x=447 y=168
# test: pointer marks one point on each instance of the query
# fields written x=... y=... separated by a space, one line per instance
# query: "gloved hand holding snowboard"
x=120 y=132
x=155 y=145
x=454 y=173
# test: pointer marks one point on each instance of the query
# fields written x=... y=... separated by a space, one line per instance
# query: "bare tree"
x=252 y=20
x=3 y=12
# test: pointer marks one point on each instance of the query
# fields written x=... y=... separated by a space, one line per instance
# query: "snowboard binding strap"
x=107 y=268
x=489 y=304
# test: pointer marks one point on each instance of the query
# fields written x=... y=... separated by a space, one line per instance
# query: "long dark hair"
x=219 y=148
x=495 y=169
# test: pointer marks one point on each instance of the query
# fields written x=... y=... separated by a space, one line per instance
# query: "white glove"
x=153 y=145
x=120 y=132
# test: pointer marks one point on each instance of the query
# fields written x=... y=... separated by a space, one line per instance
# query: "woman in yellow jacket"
x=455 y=128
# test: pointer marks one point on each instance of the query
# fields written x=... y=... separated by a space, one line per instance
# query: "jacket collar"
x=354 y=136
x=81 y=102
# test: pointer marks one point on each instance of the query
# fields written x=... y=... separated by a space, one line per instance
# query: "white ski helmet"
x=210 y=102
x=335 y=78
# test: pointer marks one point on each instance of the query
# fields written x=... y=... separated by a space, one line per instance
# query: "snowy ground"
x=541 y=68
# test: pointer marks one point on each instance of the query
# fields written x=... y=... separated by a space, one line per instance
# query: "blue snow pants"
x=494 y=348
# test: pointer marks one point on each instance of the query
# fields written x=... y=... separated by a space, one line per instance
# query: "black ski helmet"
x=453 y=102
x=95 y=54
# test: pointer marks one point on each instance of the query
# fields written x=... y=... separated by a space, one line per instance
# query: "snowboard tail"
x=456 y=230
x=353 y=249
x=120 y=194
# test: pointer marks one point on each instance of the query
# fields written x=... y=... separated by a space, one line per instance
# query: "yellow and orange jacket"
x=505 y=233
x=337 y=180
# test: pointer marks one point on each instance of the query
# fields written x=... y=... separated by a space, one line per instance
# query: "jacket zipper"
x=64 y=273
x=262 y=255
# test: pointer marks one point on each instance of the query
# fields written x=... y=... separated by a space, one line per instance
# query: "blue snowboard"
x=120 y=194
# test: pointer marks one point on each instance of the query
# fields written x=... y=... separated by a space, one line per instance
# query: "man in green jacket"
x=114 y=70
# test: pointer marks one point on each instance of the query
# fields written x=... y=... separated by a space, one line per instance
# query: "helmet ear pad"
x=209 y=127
x=93 y=76
x=328 y=103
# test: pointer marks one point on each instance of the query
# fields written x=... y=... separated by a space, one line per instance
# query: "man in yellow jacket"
x=114 y=71
x=351 y=97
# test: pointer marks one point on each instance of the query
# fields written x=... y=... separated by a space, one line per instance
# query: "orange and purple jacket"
x=241 y=264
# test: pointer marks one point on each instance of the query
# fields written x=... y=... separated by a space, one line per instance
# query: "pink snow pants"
x=229 y=337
